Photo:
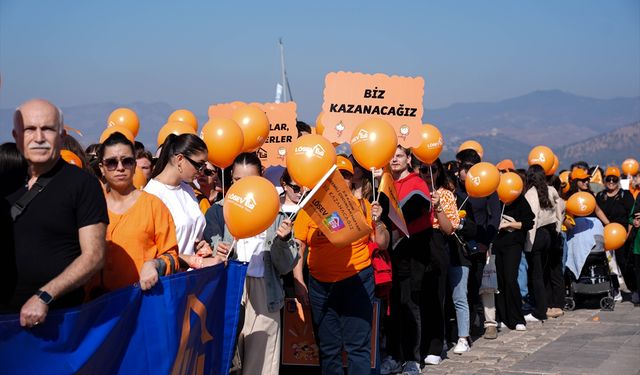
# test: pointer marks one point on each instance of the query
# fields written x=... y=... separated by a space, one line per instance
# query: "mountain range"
x=576 y=127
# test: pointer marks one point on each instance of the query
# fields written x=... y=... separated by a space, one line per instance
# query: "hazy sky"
x=194 y=53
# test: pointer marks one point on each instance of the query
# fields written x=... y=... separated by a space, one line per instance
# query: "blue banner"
x=186 y=324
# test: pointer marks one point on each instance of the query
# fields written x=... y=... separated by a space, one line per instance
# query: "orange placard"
x=282 y=128
x=351 y=98
x=298 y=342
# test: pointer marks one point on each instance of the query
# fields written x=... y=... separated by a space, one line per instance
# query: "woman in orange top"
x=141 y=236
x=341 y=285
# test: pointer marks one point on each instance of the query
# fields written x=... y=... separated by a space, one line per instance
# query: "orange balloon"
x=431 y=146
x=564 y=181
x=319 y=124
x=373 y=143
x=630 y=167
x=554 y=167
x=473 y=145
x=176 y=128
x=237 y=104
x=117 y=129
x=186 y=116
x=125 y=117
x=510 y=187
x=250 y=206
x=581 y=204
x=139 y=180
x=71 y=158
x=309 y=158
x=614 y=236
x=254 y=124
x=543 y=156
x=224 y=141
x=482 y=180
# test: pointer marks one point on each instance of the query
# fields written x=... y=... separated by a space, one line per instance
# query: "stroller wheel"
x=607 y=303
x=569 y=303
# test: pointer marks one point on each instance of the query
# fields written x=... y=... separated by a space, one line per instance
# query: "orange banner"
x=350 y=98
x=338 y=215
x=282 y=128
x=395 y=213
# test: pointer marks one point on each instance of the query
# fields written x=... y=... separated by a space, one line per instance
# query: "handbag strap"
x=21 y=204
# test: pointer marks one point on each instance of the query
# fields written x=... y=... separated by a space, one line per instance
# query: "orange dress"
x=326 y=262
x=144 y=232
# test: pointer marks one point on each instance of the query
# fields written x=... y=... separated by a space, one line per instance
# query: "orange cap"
x=506 y=165
x=71 y=158
x=579 y=174
x=344 y=164
x=612 y=171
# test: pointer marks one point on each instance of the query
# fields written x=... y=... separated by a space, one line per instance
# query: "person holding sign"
x=341 y=284
x=270 y=254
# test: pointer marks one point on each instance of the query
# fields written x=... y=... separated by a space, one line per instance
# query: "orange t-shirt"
x=326 y=262
x=144 y=232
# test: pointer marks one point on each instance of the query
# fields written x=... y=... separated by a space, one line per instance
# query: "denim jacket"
x=279 y=259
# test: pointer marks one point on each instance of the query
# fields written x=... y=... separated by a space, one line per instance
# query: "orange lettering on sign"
x=351 y=98
x=188 y=361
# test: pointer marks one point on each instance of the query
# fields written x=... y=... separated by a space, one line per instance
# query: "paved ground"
x=586 y=341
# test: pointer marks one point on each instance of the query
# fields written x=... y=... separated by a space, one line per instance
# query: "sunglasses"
x=208 y=172
x=611 y=179
x=198 y=166
x=111 y=164
x=296 y=189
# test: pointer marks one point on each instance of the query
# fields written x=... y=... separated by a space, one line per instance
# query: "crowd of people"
x=71 y=233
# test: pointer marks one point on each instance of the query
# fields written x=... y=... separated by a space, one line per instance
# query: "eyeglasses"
x=296 y=189
x=208 y=172
x=198 y=166
x=111 y=164
x=611 y=179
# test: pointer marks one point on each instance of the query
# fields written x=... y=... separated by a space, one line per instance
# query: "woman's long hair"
x=537 y=179
x=185 y=144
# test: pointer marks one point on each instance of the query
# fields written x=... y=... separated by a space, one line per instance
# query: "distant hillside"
x=605 y=149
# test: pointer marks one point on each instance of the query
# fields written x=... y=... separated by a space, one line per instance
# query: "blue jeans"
x=342 y=316
x=523 y=279
x=458 y=276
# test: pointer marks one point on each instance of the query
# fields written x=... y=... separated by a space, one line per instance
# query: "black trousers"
x=433 y=290
x=403 y=325
x=473 y=285
x=553 y=277
x=537 y=260
x=509 y=300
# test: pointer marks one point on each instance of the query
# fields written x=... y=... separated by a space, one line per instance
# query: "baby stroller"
x=595 y=280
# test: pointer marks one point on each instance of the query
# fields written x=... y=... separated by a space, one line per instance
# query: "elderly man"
x=60 y=230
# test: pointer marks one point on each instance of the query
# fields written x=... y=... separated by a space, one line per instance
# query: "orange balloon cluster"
x=614 y=236
x=472 y=145
x=543 y=156
x=250 y=207
x=117 y=129
x=309 y=158
x=510 y=187
x=581 y=204
x=124 y=117
x=373 y=143
x=554 y=167
x=254 y=124
x=174 y=127
x=482 y=180
x=184 y=116
x=430 y=146
x=630 y=167
x=224 y=141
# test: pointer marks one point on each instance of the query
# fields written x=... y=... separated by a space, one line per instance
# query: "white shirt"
x=183 y=205
x=251 y=250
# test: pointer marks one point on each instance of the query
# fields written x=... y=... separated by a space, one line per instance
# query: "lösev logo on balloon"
x=474 y=179
x=362 y=135
x=310 y=151
x=247 y=202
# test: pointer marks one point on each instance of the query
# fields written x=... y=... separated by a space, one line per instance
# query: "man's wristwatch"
x=45 y=297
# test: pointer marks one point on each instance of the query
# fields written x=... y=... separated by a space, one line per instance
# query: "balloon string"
x=433 y=186
x=223 y=183
x=293 y=215
x=502 y=213
x=463 y=202
x=373 y=180
x=231 y=248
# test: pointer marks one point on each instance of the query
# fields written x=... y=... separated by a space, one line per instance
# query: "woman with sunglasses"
x=205 y=189
x=270 y=254
x=141 y=239
x=182 y=159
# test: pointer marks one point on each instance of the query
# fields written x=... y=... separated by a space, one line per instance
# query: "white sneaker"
x=462 y=346
x=500 y=325
x=521 y=327
x=531 y=318
x=618 y=297
x=411 y=368
x=390 y=366
x=432 y=360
